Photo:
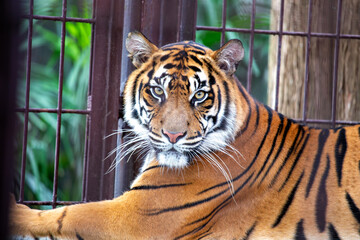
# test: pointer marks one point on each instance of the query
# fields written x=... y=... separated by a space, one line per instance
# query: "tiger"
x=219 y=164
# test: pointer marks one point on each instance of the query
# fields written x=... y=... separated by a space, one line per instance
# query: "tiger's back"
x=219 y=165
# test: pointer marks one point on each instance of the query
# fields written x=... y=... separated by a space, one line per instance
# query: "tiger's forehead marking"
x=185 y=70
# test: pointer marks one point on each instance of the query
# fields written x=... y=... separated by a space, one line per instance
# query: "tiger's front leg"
x=97 y=220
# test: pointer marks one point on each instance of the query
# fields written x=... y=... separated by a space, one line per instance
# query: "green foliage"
x=44 y=83
x=239 y=16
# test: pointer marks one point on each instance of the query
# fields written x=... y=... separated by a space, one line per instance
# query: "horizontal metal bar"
x=323 y=121
x=272 y=32
x=53 y=110
x=58 y=18
x=50 y=203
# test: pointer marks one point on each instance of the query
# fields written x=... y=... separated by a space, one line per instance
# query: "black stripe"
x=195 y=69
x=170 y=47
x=321 y=200
x=208 y=233
x=153 y=167
x=184 y=206
x=154 y=139
x=146 y=102
x=333 y=234
x=300 y=235
x=289 y=153
x=61 y=219
x=196 y=60
x=254 y=159
x=249 y=231
x=79 y=237
x=134 y=87
x=279 y=129
x=359 y=131
x=196 y=45
x=151 y=72
x=243 y=129
x=169 y=65
x=211 y=214
x=216 y=210
x=212 y=81
x=210 y=67
x=257 y=119
x=284 y=135
x=324 y=134
x=195 y=230
x=295 y=162
x=354 y=209
x=224 y=120
x=222 y=204
x=163 y=58
x=289 y=200
x=154 y=187
x=340 y=151
x=197 y=52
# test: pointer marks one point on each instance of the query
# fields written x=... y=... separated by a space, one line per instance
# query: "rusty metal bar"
x=59 y=108
x=325 y=121
x=279 y=55
x=251 y=46
x=51 y=110
x=187 y=20
x=89 y=106
x=43 y=203
x=27 y=99
x=105 y=91
x=273 y=32
x=223 y=23
x=336 y=63
x=61 y=18
x=306 y=81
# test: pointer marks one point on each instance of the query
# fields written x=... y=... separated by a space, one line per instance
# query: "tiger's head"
x=181 y=100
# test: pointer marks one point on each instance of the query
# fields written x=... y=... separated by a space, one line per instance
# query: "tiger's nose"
x=173 y=136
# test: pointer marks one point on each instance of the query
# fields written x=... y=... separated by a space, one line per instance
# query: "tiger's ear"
x=229 y=56
x=139 y=48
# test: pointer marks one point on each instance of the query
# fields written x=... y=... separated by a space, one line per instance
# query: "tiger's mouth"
x=173 y=158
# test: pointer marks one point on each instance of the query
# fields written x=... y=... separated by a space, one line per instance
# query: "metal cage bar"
x=309 y=34
x=27 y=95
x=336 y=63
x=102 y=110
x=162 y=22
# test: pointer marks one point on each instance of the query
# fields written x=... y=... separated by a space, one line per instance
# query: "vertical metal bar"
x=105 y=97
x=279 y=55
x=307 y=63
x=336 y=63
x=59 y=107
x=223 y=22
x=195 y=19
x=27 y=95
x=179 y=18
x=188 y=20
x=89 y=100
x=251 y=46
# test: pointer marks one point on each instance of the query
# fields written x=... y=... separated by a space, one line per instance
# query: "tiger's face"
x=179 y=101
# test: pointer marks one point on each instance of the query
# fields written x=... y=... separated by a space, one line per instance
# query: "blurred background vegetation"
x=45 y=79
x=44 y=84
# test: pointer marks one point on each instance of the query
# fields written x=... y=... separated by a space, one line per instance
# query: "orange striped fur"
x=219 y=165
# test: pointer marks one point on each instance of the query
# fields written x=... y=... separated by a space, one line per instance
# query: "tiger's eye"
x=199 y=95
x=158 y=91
